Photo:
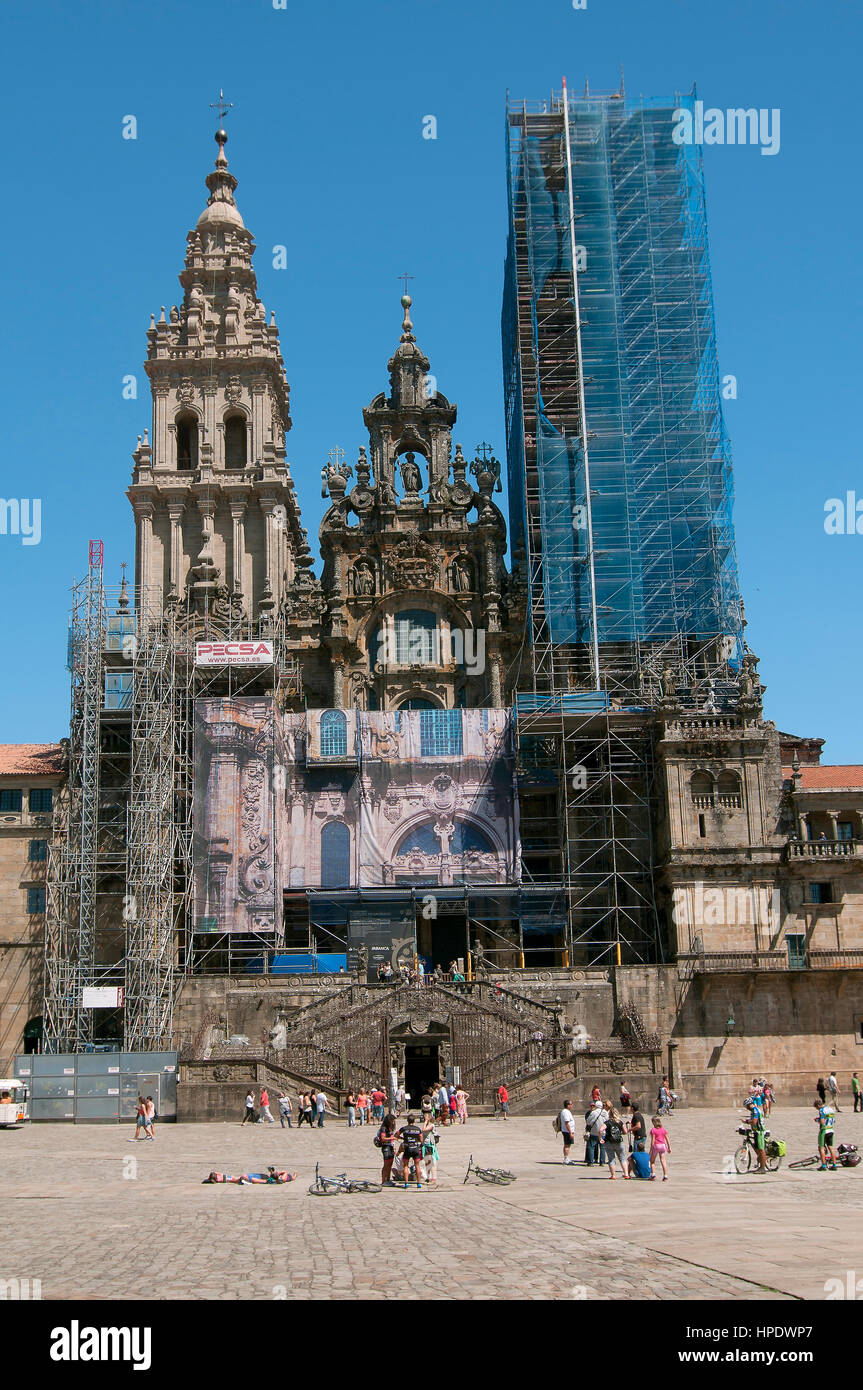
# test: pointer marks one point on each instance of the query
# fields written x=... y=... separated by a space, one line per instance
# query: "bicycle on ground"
x=501 y=1176
x=332 y=1187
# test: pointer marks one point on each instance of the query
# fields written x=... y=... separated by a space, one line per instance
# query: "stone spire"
x=408 y=367
x=215 y=504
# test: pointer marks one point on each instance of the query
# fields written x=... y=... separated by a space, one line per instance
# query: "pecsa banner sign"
x=255 y=653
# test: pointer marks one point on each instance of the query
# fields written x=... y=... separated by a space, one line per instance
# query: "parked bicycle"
x=501 y=1176
x=746 y=1156
x=332 y=1187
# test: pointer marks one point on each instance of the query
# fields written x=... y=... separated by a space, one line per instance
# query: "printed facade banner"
x=344 y=799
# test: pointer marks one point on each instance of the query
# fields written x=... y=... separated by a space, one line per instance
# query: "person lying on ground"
x=272 y=1175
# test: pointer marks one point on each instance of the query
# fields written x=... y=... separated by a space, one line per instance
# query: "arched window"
x=335 y=855
x=187 y=442
x=728 y=792
x=467 y=837
x=415 y=702
x=701 y=790
x=421 y=838
x=235 y=442
x=334 y=734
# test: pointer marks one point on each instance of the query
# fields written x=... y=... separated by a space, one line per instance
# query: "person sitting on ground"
x=272 y=1175
x=640 y=1165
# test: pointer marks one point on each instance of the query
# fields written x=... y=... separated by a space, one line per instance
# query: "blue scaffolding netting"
x=660 y=460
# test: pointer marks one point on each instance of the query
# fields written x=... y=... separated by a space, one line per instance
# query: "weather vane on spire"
x=222 y=106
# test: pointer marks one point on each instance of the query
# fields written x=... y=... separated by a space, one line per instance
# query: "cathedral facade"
x=372 y=768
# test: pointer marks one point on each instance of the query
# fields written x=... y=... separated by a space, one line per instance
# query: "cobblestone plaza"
x=93 y=1216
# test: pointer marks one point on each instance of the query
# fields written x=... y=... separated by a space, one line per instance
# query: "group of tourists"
x=611 y=1129
x=446 y=1104
x=410 y=1152
x=312 y=1107
x=145 y=1119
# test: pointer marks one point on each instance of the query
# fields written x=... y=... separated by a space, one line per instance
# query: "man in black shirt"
x=637 y=1128
x=411 y=1136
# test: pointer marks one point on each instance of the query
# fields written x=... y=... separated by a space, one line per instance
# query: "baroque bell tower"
x=217 y=519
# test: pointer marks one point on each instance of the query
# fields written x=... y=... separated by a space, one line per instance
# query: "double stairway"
x=491 y=1033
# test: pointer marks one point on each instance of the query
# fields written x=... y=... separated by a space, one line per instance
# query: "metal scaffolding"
x=609 y=342
x=620 y=495
x=70 y=916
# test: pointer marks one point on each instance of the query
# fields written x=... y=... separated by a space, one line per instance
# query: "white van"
x=14 y=1109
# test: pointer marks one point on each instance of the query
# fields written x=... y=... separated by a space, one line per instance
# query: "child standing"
x=660 y=1146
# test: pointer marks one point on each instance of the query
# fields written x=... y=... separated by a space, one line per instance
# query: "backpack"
x=614 y=1132
x=555 y=1124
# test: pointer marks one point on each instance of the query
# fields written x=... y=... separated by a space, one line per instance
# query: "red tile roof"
x=30 y=759
x=849 y=775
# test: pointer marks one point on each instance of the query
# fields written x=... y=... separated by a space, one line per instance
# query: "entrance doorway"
x=422 y=1069
x=442 y=939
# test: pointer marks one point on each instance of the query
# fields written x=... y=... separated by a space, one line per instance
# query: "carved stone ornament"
x=362 y=499
x=233 y=391
x=412 y=565
x=185 y=391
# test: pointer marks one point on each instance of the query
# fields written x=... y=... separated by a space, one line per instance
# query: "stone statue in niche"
x=364 y=580
x=462 y=575
x=411 y=476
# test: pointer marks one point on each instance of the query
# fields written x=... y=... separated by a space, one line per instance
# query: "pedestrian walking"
x=821 y=1089
x=625 y=1098
x=401 y=1096
x=265 y=1107
x=363 y=1105
x=503 y=1100
x=306 y=1109
x=833 y=1088
x=566 y=1125
x=249 y=1110
x=443 y=1103
x=612 y=1139
x=660 y=1146
x=322 y=1105
x=857 y=1093
x=285 y=1110
x=461 y=1099
x=150 y=1112
x=351 y=1108
x=140 y=1119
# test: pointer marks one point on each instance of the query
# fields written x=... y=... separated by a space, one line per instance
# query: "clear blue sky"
x=326 y=140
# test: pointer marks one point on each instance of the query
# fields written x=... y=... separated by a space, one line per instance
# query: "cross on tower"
x=404 y=276
x=336 y=456
x=484 y=451
x=222 y=106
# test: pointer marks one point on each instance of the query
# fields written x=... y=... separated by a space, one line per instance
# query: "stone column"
x=803 y=825
x=833 y=817
x=238 y=511
x=495 y=681
x=175 y=514
x=146 y=581
x=207 y=438
x=165 y=454
x=338 y=683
